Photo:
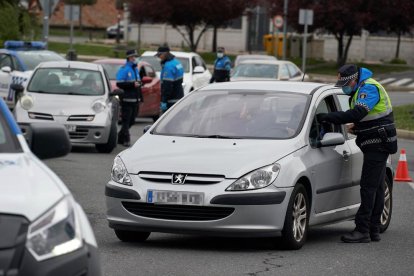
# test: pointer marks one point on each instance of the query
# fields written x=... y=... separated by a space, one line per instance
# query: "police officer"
x=172 y=74
x=222 y=67
x=128 y=79
x=373 y=123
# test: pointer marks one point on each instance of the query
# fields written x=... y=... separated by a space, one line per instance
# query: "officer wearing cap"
x=373 y=123
x=128 y=79
x=222 y=67
x=172 y=74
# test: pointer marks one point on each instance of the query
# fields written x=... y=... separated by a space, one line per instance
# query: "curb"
x=405 y=134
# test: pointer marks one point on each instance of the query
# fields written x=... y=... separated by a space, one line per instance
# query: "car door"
x=330 y=167
x=294 y=72
x=5 y=77
x=206 y=76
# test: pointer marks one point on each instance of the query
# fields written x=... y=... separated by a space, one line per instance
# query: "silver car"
x=241 y=159
x=77 y=95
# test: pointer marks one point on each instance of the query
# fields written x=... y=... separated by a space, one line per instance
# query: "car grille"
x=177 y=212
x=194 y=179
x=80 y=133
x=12 y=243
x=40 y=116
x=81 y=118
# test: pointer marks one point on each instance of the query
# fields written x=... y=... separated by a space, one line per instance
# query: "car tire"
x=132 y=236
x=112 y=140
x=387 y=212
x=294 y=237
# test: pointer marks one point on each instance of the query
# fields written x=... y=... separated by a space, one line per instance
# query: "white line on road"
x=401 y=82
x=384 y=81
x=411 y=184
x=411 y=85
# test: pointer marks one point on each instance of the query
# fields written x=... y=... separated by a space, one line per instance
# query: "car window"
x=150 y=72
x=283 y=73
x=16 y=64
x=293 y=70
x=67 y=81
x=199 y=62
x=5 y=60
x=31 y=59
x=8 y=141
x=240 y=114
x=111 y=69
x=251 y=70
x=318 y=130
x=344 y=101
x=193 y=62
x=185 y=62
x=108 y=82
x=155 y=62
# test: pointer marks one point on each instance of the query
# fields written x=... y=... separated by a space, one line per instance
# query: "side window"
x=108 y=83
x=200 y=62
x=343 y=101
x=5 y=60
x=142 y=72
x=318 y=130
x=193 y=63
x=150 y=72
x=293 y=70
x=283 y=72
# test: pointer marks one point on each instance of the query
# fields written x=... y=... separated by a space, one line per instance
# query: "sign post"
x=277 y=24
x=48 y=7
x=72 y=13
x=305 y=18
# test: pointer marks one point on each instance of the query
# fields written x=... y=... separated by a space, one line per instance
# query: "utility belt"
x=378 y=138
x=129 y=100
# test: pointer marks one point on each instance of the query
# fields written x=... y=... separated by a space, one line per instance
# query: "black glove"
x=321 y=117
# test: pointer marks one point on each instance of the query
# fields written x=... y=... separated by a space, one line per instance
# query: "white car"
x=196 y=73
x=77 y=95
x=44 y=231
x=242 y=58
x=267 y=70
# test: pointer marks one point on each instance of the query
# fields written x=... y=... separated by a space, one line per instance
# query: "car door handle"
x=346 y=155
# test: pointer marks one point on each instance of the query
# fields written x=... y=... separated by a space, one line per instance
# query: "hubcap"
x=299 y=217
x=387 y=206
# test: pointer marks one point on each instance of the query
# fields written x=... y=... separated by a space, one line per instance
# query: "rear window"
x=31 y=59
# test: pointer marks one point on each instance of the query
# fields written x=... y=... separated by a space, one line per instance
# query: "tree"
x=81 y=3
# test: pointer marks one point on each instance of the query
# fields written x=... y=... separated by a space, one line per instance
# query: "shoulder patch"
x=129 y=74
x=362 y=95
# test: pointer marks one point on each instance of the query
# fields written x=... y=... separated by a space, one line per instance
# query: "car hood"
x=229 y=157
x=63 y=105
x=26 y=188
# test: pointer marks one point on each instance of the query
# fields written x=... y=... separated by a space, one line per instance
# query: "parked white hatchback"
x=196 y=73
x=77 y=95
x=43 y=230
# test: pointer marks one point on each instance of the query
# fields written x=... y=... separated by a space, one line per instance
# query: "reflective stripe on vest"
x=381 y=109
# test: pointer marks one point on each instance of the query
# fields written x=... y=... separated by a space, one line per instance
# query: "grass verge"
x=404 y=116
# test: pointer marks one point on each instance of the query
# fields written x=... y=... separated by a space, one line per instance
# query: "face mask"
x=347 y=89
x=220 y=55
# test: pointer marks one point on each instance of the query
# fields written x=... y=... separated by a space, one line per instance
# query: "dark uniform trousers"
x=129 y=113
x=368 y=217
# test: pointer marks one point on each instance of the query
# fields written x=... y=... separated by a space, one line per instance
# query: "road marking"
x=411 y=86
x=401 y=82
x=411 y=184
x=384 y=81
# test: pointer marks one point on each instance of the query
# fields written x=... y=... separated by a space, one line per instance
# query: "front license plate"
x=175 y=197
x=71 y=128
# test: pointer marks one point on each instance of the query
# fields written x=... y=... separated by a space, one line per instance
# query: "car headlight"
x=55 y=233
x=119 y=173
x=26 y=102
x=98 y=106
x=257 y=179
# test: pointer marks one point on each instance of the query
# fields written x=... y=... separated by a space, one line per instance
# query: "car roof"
x=71 y=64
x=177 y=54
x=268 y=85
x=256 y=56
x=110 y=61
x=264 y=61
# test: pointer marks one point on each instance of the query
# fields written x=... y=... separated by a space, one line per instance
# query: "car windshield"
x=31 y=59
x=8 y=142
x=67 y=81
x=111 y=69
x=155 y=62
x=256 y=71
x=236 y=114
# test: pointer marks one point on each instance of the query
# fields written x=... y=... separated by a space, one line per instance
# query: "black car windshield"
x=31 y=59
x=236 y=114
x=251 y=70
x=67 y=81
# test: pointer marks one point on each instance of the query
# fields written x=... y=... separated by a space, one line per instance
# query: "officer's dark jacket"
x=126 y=77
x=366 y=131
x=172 y=74
x=222 y=67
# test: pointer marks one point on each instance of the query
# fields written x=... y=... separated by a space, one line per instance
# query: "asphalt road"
x=401 y=98
x=85 y=172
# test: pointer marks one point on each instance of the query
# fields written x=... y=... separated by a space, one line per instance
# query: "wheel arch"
x=307 y=184
x=390 y=175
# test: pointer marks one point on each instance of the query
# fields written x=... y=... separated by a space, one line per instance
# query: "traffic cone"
x=402 y=169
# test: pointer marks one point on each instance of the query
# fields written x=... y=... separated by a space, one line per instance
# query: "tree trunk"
x=397 y=52
x=342 y=53
x=214 y=49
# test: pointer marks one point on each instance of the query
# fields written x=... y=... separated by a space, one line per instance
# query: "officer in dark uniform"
x=222 y=67
x=128 y=79
x=172 y=74
x=371 y=113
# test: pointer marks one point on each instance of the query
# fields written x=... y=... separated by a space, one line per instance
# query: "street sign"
x=305 y=17
x=52 y=4
x=277 y=21
x=75 y=12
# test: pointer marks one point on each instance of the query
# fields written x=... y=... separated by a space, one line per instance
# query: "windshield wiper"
x=74 y=93
x=38 y=91
x=217 y=136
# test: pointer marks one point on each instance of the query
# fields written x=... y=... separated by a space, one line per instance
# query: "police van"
x=17 y=62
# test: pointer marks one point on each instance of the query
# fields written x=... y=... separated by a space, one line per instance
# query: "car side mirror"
x=116 y=92
x=146 y=80
x=146 y=128
x=17 y=87
x=48 y=141
x=6 y=69
x=198 y=70
x=331 y=139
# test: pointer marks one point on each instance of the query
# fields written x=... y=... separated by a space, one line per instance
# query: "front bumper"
x=252 y=213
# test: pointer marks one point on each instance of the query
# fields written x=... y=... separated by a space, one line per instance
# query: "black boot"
x=355 y=237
